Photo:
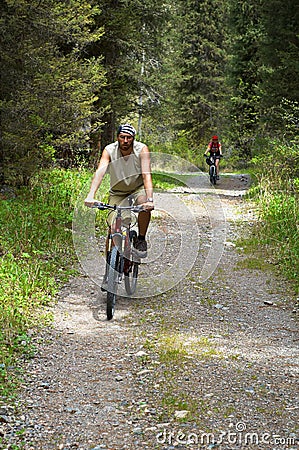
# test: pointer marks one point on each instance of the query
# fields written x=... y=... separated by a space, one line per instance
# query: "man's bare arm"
x=146 y=174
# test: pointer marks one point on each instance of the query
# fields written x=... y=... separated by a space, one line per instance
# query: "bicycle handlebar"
x=102 y=206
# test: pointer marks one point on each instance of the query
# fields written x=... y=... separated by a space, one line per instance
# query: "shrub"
x=278 y=196
x=36 y=242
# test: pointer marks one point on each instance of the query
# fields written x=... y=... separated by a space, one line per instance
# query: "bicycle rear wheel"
x=131 y=272
x=113 y=275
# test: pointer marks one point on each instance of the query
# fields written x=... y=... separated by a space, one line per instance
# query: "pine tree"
x=279 y=68
x=243 y=73
x=202 y=61
x=131 y=49
x=48 y=86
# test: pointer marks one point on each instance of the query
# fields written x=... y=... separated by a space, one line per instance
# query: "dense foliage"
x=72 y=71
x=69 y=73
x=36 y=243
x=262 y=71
x=48 y=86
x=131 y=50
x=278 y=198
x=201 y=60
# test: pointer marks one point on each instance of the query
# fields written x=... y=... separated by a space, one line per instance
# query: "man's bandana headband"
x=127 y=128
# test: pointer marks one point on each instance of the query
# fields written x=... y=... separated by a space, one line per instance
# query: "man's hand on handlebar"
x=148 y=206
x=93 y=203
x=90 y=202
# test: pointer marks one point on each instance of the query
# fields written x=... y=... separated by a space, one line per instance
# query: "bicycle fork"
x=119 y=240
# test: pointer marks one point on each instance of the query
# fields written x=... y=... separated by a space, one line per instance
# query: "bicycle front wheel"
x=131 y=279
x=131 y=269
x=213 y=174
x=113 y=275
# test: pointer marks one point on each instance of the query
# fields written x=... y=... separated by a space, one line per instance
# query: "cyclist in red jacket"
x=214 y=148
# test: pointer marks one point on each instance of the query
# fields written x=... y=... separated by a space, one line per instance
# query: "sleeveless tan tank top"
x=125 y=173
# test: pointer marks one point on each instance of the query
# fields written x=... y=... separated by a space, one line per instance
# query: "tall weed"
x=35 y=244
x=278 y=196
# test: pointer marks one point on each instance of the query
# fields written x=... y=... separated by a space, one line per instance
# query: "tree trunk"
x=108 y=133
x=2 y=176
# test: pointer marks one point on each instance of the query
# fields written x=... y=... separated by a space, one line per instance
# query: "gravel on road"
x=203 y=365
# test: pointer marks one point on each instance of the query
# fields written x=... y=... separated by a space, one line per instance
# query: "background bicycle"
x=211 y=161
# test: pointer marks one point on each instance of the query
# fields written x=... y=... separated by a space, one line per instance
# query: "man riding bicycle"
x=214 y=149
x=128 y=163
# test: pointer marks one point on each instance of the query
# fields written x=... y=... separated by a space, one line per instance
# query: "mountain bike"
x=121 y=261
x=211 y=161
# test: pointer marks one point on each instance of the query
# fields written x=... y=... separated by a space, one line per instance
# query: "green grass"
x=277 y=194
x=275 y=238
x=164 y=181
x=280 y=229
x=173 y=348
x=36 y=243
x=173 y=402
x=253 y=263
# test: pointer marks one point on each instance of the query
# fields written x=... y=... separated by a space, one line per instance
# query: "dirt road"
x=210 y=363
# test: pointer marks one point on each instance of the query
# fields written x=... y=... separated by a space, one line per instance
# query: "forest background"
x=180 y=71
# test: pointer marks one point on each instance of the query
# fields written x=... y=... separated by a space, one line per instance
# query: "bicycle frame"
x=119 y=237
x=212 y=169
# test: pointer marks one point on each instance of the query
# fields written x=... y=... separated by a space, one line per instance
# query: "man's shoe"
x=140 y=248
